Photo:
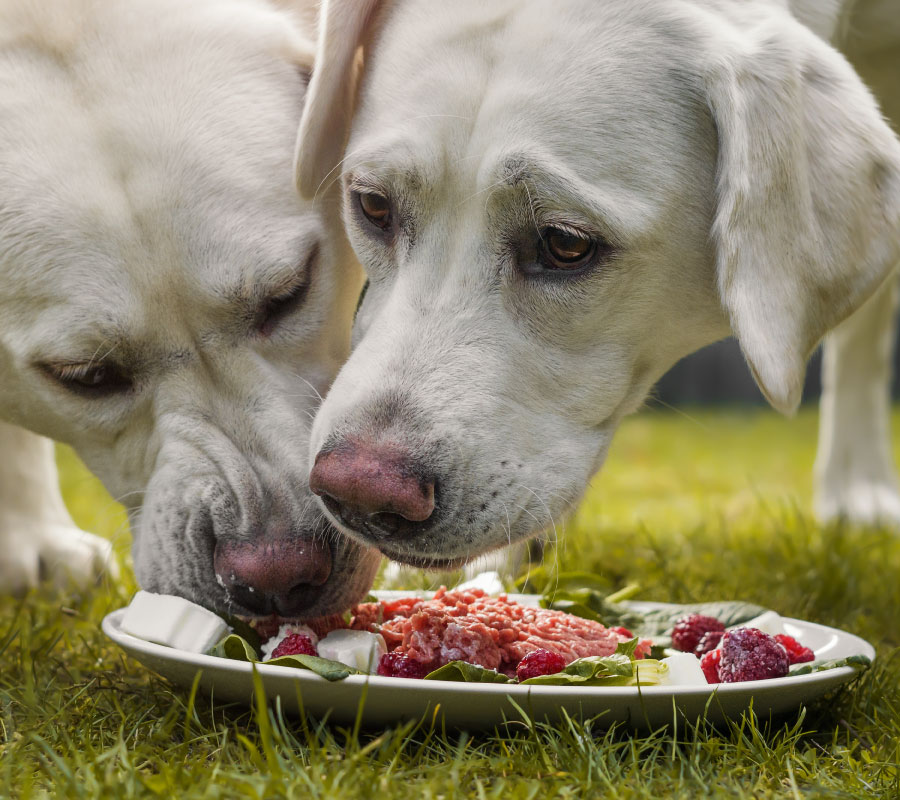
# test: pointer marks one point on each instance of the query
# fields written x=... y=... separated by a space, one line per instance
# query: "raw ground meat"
x=491 y=631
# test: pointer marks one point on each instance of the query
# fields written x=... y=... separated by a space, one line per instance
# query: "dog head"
x=555 y=206
x=168 y=304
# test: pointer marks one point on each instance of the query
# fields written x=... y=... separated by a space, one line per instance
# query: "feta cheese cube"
x=358 y=649
x=488 y=582
x=172 y=621
x=684 y=670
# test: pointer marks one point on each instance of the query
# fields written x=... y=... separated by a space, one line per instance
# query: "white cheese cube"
x=358 y=649
x=488 y=582
x=684 y=670
x=769 y=622
x=172 y=621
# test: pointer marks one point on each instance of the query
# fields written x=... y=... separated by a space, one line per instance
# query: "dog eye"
x=376 y=208
x=566 y=250
x=279 y=306
x=93 y=379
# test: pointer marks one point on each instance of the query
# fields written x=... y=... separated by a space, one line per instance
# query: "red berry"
x=623 y=632
x=709 y=663
x=295 y=645
x=539 y=662
x=689 y=630
x=749 y=654
x=797 y=653
x=395 y=665
x=709 y=641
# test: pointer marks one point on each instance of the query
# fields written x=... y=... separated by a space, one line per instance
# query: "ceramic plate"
x=483 y=705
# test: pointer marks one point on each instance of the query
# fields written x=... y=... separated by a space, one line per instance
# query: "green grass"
x=708 y=507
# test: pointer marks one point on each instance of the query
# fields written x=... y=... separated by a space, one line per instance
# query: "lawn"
x=693 y=507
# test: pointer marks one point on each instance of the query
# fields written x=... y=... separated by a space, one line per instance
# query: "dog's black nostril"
x=380 y=526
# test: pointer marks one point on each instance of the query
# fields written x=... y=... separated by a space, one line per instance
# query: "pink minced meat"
x=494 y=632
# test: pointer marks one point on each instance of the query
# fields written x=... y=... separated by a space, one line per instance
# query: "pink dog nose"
x=359 y=481
x=274 y=575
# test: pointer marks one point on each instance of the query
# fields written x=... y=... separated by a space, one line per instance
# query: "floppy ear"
x=328 y=109
x=807 y=223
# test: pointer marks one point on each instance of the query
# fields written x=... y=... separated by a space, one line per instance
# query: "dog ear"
x=807 y=223
x=328 y=109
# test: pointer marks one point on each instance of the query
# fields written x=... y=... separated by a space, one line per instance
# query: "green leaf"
x=619 y=669
x=239 y=649
x=468 y=673
x=858 y=662
x=591 y=604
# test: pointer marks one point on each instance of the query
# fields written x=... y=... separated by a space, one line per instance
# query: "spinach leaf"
x=239 y=649
x=466 y=672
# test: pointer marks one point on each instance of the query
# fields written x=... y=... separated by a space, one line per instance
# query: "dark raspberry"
x=797 y=653
x=689 y=630
x=395 y=665
x=295 y=645
x=540 y=662
x=749 y=654
x=709 y=663
x=623 y=632
x=709 y=641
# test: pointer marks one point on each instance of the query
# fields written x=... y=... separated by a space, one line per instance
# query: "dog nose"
x=272 y=576
x=375 y=487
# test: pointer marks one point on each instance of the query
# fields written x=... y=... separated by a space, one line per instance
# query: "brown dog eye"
x=566 y=250
x=376 y=208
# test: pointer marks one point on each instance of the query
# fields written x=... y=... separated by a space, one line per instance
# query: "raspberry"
x=295 y=645
x=709 y=663
x=709 y=641
x=690 y=629
x=623 y=632
x=539 y=662
x=394 y=665
x=797 y=653
x=749 y=654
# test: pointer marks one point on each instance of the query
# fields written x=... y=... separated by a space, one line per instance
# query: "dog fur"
x=731 y=163
x=149 y=226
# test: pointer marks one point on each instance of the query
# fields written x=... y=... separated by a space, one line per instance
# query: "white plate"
x=484 y=705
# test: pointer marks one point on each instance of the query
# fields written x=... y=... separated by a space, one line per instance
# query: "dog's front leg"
x=855 y=475
x=38 y=539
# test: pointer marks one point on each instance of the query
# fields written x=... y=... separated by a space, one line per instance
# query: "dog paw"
x=61 y=554
x=862 y=503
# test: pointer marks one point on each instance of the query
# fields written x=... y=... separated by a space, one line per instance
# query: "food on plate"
x=684 y=670
x=797 y=653
x=468 y=635
x=361 y=650
x=539 y=662
x=749 y=654
x=491 y=632
x=172 y=621
x=690 y=630
x=290 y=639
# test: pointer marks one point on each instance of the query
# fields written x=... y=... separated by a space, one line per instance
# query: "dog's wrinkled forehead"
x=580 y=97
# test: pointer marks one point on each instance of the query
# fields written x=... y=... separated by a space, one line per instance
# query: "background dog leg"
x=38 y=539
x=855 y=476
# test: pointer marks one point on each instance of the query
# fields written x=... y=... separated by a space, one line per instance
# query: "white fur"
x=738 y=166
x=147 y=212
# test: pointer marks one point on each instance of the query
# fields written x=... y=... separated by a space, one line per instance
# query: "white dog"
x=169 y=306
x=556 y=202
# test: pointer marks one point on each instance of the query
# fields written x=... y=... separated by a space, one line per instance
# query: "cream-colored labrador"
x=555 y=202
x=169 y=306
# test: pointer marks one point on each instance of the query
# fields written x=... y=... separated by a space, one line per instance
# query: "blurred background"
x=719 y=374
